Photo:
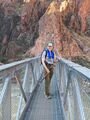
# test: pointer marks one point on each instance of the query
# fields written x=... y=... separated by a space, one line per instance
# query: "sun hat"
x=50 y=44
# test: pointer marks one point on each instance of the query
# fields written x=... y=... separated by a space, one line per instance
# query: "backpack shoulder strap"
x=46 y=50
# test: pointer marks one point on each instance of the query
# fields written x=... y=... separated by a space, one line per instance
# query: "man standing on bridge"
x=48 y=58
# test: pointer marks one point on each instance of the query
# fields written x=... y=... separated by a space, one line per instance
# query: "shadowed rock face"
x=22 y=29
x=1 y=20
x=10 y=20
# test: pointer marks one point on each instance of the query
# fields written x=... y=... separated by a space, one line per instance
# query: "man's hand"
x=48 y=71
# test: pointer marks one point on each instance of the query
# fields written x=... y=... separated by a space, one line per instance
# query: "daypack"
x=46 y=51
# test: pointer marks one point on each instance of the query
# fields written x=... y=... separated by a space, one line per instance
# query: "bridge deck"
x=45 y=109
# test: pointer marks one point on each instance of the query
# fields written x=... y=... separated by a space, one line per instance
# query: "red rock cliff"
x=66 y=36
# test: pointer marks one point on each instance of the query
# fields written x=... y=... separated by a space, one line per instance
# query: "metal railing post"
x=33 y=78
x=6 y=100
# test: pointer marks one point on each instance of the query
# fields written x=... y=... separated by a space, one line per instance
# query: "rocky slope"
x=22 y=19
x=63 y=24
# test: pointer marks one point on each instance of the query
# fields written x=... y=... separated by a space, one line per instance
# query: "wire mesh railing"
x=84 y=85
x=17 y=81
x=74 y=88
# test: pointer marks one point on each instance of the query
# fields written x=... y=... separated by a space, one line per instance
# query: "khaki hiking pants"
x=48 y=79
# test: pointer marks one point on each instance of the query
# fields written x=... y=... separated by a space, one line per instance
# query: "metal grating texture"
x=42 y=108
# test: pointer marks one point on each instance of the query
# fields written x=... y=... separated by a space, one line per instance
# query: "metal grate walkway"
x=45 y=109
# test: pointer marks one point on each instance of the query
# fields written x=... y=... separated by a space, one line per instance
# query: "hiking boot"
x=48 y=96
